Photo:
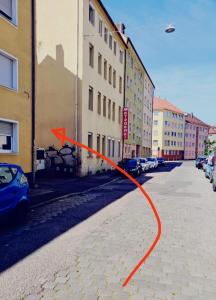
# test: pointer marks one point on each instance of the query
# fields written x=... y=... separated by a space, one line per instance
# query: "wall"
x=16 y=105
x=91 y=121
x=56 y=69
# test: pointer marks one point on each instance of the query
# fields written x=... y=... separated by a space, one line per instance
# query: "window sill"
x=9 y=153
x=9 y=88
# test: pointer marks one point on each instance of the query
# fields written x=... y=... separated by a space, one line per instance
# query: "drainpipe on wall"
x=77 y=87
x=124 y=92
x=33 y=96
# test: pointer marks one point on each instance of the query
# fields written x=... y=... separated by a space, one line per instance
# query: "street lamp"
x=170 y=28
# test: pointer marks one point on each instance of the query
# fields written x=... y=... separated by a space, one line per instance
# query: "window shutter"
x=6 y=71
x=6 y=128
x=6 y=7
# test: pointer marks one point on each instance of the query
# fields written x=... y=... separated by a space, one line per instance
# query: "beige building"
x=15 y=83
x=168 y=130
x=80 y=78
x=139 y=93
x=147 y=116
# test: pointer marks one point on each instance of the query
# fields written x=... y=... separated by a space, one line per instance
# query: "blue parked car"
x=14 y=190
x=209 y=169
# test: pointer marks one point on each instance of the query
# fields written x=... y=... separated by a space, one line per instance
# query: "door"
x=9 y=189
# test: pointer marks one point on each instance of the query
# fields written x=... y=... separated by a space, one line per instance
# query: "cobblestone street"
x=88 y=256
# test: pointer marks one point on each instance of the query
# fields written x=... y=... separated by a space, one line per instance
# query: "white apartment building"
x=80 y=78
x=102 y=87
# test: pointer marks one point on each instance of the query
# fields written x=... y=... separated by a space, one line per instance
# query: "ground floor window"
x=109 y=147
x=119 y=148
x=113 y=148
x=8 y=136
x=90 y=142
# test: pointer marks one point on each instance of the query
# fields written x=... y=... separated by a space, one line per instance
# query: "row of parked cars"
x=208 y=165
x=14 y=187
x=138 y=165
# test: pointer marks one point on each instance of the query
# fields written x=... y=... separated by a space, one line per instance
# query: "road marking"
x=60 y=134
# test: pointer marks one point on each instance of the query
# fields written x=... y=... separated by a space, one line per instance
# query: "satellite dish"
x=170 y=28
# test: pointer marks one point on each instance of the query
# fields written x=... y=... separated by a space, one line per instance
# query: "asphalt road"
x=83 y=246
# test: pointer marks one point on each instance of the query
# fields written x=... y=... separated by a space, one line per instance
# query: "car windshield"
x=6 y=175
x=132 y=163
x=142 y=161
x=150 y=159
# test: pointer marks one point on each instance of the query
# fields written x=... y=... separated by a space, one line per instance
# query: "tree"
x=209 y=146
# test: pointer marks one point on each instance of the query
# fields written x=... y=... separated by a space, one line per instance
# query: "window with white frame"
x=8 y=9
x=8 y=71
x=100 y=27
x=8 y=136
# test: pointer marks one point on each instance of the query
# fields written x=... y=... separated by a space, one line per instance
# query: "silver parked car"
x=144 y=163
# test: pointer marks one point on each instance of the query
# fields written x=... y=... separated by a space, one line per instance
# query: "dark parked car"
x=133 y=167
x=161 y=161
x=14 y=189
x=199 y=161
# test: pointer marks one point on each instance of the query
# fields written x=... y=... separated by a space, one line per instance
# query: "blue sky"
x=182 y=64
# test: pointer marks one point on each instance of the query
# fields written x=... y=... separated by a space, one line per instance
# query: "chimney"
x=60 y=54
x=192 y=115
x=121 y=27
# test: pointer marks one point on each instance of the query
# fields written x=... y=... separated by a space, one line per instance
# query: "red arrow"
x=60 y=133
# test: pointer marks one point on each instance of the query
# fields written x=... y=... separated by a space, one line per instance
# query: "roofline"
x=111 y=21
x=129 y=40
x=163 y=108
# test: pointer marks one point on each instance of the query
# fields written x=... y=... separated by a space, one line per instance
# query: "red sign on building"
x=125 y=123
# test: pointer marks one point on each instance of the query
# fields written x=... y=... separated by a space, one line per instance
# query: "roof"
x=111 y=21
x=190 y=118
x=212 y=130
x=160 y=104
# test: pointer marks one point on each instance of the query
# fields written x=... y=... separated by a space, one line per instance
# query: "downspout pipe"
x=124 y=101
x=33 y=180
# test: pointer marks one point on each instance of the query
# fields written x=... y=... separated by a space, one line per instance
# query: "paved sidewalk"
x=99 y=253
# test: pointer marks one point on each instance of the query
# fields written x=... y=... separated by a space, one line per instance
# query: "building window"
x=119 y=148
x=121 y=56
x=109 y=147
x=99 y=63
x=8 y=9
x=91 y=96
x=113 y=111
x=91 y=55
x=98 y=143
x=105 y=69
x=115 y=47
x=99 y=103
x=91 y=14
x=120 y=84
x=104 y=106
x=119 y=115
x=114 y=78
x=100 y=27
x=156 y=122
x=110 y=41
x=109 y=109
x=110 y=74
x=103 y=145
x=9 y=136
x=90 y=143
x=8 y=71
x=113 y=148
x=105 y=35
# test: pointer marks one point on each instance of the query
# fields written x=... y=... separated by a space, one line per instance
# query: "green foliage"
x=209 y=147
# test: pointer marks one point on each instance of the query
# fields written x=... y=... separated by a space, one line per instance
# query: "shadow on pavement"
x=47 y=222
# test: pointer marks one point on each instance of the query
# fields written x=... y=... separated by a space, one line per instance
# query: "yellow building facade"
x=15 y=83
x=168 y=130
